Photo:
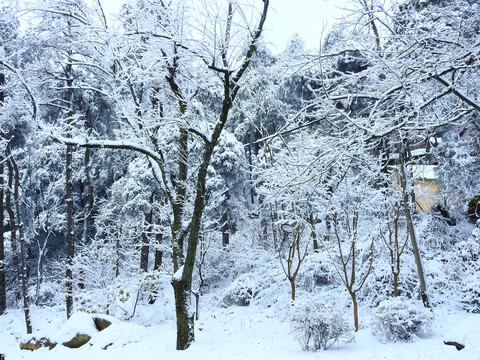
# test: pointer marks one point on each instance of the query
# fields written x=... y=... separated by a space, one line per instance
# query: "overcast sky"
x=305 y=17
x=287 y=17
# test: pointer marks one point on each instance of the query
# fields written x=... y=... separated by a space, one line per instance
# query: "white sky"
x=287 y=17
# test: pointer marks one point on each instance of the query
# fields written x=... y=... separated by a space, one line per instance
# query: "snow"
x=79 y=323
x=249 y=332
x=178 y=274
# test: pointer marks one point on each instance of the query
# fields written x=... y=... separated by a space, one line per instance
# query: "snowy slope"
x=248 y=332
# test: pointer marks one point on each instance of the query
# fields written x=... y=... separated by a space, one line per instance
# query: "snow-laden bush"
x=467 y=271
x=315 y=325
x=401 y=318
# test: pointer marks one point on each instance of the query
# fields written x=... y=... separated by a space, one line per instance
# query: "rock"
x=34 y=344
x=76 y=332
x=101 y=323
x=454 y=343
x=77 y=341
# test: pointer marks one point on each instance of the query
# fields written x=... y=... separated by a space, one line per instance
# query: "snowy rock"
x=466 y=332
x=35 y=344
x=77 y=341
x=79 y=325
x=103 y=321
x=118 y=335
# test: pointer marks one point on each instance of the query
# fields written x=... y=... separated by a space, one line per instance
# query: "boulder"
x=77 y=341
x=74 y=333
x=101 y=323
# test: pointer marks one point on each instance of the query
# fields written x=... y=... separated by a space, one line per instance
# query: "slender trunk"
x=314 y=233
x=88 y=217
x=158 y=259
x=156 y=266
x=70 y=233
x=117 y=253
x=3 y=289
x=145 y=250
x=395 y=284
x=16 y=197
x=41 y=252
x=69 y=198
x=355 y=310
x=13 y=226
x=225 y=233
x=410 y=227
x=250 y=167
x=292 y=287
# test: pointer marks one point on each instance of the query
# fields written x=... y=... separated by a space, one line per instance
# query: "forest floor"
x=250 y=332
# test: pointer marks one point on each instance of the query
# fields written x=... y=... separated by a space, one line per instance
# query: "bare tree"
x=292 y=253
x=394 y=244
x=346 y=231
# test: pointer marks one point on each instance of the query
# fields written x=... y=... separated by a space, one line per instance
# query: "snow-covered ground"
x=250 y=332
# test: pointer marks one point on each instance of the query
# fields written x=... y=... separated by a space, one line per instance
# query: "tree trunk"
x=251 y=180
x=145 y=250
x=156 y=266
x=13 y=226
x=292 y=287
x=185 y=318
x=395 y=284
x=355 y=310
x=410 y=227
x=158 y=259
x=311 y=221
x=88 y=217
x=23 y=273
x=69 y=198
x=3 y=289
x=225 y=234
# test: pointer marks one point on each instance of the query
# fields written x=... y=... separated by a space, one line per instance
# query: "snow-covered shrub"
x=468 y=252
x=260 y=286
x=315 y=325
x=317 y=271
x=240 y=292
x=401 y=318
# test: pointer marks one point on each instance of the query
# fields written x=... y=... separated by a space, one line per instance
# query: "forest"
x=166 y=164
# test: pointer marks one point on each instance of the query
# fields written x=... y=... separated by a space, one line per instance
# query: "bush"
x=241 y=291
x=401 y=318
x=317 y=326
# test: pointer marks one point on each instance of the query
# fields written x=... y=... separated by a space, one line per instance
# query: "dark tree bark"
x=145 y=250
x=19 y=222
x=3 y=289
x=225 y=232
x=157 y=264
x=88 y=188
x=158 y=259
x=69 y=196
x=13 y=226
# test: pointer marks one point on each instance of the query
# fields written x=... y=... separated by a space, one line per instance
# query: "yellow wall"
x=426 y=194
